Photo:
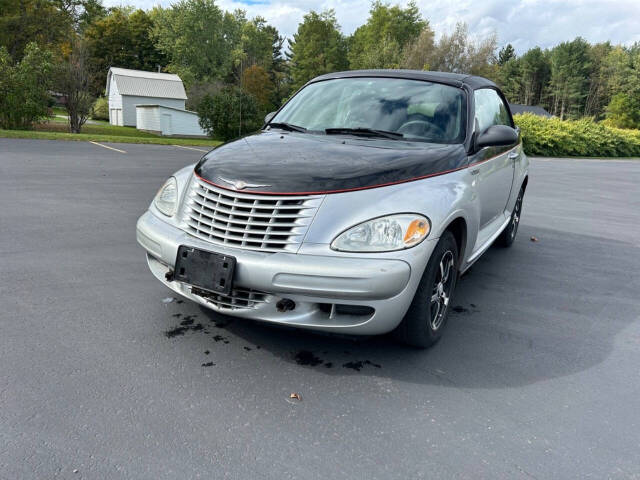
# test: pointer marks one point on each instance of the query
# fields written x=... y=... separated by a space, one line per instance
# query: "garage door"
x=116 y=116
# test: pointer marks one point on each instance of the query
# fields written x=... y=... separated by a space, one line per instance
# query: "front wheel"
x=423 y=324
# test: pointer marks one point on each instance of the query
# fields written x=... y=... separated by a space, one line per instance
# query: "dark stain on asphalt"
x=359 y=365
x=305 y=357
x=184 y=327
x=460 y=309
x=176 y=315
x=301 y=357
x=174 y=332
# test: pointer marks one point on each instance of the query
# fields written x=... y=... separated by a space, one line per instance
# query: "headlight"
x=167 y=197
x=383 y=234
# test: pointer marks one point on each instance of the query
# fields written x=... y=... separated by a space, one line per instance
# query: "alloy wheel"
x=441 y=292
x=515 y=218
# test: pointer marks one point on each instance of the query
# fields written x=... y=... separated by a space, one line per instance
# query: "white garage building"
x=127 y=89
x=168 y=121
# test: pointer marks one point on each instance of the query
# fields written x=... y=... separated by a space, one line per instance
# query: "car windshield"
x=385 y=107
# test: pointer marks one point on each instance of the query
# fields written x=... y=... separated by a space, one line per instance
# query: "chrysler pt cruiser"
x=353 y=210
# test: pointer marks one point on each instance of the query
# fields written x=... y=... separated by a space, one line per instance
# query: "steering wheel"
x=421 y=128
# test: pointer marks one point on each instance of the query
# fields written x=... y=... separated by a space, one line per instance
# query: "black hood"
x=299 y=163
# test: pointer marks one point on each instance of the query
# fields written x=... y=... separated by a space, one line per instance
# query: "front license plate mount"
x=207 y=270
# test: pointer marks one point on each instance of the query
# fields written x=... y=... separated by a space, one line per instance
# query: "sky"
x=523 y=23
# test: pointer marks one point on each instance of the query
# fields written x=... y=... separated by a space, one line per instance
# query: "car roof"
x=454 y=79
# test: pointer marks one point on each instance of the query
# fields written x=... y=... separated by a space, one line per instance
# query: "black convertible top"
x=454 y=79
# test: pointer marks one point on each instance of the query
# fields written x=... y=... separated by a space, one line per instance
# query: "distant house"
x=517 y=108
x=128 y=88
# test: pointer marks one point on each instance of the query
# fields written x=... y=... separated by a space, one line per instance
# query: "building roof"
x=166 y=107
x=517 y=108
x=146 y=84
x=454 y=79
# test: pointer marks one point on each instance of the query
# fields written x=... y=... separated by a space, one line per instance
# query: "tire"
x=426 y=318
x=508 y=235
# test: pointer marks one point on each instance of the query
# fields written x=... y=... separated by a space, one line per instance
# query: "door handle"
x=513 y=155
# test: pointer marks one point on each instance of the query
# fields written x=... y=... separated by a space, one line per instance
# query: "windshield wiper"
x=288 y=126
x=369 y=132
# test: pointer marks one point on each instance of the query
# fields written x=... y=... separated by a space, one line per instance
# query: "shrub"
x=552 y=137
x=24 y=88
x=222 y=114
x=100 y=109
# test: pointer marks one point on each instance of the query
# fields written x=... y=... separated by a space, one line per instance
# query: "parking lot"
x=105 y=374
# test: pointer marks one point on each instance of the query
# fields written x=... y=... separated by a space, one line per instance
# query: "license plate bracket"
x=208 y=270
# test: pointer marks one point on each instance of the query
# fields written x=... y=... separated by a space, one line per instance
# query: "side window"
x=490 y=109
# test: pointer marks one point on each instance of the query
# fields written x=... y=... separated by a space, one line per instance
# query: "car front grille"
x=270 y=223
x=238 y=299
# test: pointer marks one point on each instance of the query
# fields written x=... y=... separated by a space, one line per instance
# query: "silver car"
x=353 y=210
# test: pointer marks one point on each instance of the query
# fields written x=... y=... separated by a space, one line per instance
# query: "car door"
x=493 y=167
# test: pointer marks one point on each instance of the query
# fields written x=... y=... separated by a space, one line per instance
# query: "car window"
x=490 y=109
x=420 y=111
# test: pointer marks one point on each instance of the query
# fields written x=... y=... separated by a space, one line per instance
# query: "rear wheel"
x=423 y=324
x=508 y=235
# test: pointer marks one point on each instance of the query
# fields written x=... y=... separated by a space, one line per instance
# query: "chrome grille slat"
x=249 y=229
x=256 y=214
x=251 y=204
x=226 y=236
x=238 y=299
x=269 y=223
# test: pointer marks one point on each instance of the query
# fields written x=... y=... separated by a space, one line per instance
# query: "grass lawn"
x=86 y=137
x=91 y=129
x=57 y=129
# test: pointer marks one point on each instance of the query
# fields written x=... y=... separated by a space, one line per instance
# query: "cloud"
x=523 y=23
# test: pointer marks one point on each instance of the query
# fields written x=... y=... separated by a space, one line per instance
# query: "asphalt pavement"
x=105 y=374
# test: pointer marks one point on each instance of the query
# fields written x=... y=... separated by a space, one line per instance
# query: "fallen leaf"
x=296 y=396
x=534 y=239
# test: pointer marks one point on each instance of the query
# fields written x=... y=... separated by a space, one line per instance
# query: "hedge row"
x=552 y=137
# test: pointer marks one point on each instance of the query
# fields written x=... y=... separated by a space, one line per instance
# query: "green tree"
x=624 y=111
x=197 y=37
x=417 y=54
x=256 y=82
x=317 y=47
x=24 y=87
x=598 y=94
x=458 y=52
x=25 y=21
x=506 y=53
x=568 y=87
x=535 y=72
x=389 y=29
x=510 y=79
x=121 y=39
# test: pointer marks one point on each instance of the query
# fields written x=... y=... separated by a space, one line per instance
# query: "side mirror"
x=497 y=136
x=268 y=117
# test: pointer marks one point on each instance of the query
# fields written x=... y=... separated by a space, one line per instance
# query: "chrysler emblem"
x=241 y=184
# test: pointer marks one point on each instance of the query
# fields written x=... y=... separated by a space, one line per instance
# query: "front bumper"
x=320 y=285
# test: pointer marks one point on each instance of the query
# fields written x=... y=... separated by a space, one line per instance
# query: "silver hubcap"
x=442 y=290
